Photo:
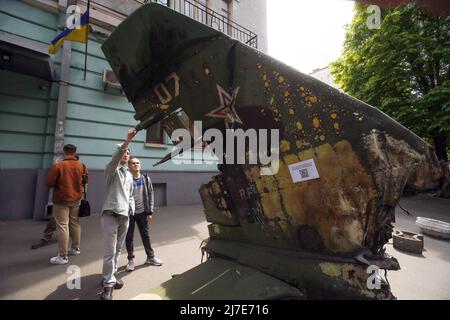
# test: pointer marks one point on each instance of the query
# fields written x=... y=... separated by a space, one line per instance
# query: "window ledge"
x=156 y=145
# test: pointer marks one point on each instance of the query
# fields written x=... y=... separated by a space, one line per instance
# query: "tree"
x=403 y=68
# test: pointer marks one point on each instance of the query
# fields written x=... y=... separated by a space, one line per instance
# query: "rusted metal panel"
x=361 y=158
x=216 y=203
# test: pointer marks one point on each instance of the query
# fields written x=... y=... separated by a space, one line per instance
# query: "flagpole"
x=87 y=40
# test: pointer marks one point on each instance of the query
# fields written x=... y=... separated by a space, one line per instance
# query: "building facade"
x=324 y=75
x=46 y=102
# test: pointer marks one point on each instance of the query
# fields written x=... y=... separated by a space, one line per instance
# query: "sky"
x=307 y=34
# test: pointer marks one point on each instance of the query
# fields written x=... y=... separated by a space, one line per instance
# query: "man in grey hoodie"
x=117 y=207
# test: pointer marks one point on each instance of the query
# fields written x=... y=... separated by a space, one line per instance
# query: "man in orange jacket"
x=66 y=178
x=50 y=227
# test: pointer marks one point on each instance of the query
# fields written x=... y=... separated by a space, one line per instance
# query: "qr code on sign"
x=304 y=173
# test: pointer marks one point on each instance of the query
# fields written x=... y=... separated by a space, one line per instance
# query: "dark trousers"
x=142 y=223
x=49 y=229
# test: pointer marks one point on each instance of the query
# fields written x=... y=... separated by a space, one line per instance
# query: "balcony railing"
x=201 y=13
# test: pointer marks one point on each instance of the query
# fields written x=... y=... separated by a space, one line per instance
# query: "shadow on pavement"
x=89 y=289
x=122 y=273
x=31 y=276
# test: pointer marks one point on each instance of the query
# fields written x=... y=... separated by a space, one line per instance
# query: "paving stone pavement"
x=176 y=234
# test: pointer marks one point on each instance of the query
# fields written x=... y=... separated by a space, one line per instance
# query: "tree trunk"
x=440 y=145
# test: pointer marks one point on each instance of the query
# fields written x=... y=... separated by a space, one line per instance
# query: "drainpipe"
x=229 y=17
x=62 y=93
x=62 y=102
x=63 y=89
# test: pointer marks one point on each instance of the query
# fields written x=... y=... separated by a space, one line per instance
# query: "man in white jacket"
x=117 y=207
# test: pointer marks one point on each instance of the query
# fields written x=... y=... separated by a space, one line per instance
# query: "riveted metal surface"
x=363 y=158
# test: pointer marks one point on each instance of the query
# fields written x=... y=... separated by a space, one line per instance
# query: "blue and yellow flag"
x=78 y=35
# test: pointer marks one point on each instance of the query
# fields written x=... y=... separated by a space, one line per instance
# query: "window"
x=165 y=2
x=155 y=134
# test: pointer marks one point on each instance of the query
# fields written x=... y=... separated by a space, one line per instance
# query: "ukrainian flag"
x=78 y=35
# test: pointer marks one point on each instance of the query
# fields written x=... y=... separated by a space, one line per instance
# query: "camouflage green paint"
x=363 y=157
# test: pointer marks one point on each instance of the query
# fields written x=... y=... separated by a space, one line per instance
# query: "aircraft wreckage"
x=316 y=226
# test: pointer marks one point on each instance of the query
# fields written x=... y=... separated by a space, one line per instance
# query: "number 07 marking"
x=163 y=93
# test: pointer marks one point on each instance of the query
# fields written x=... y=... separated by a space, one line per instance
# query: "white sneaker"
x=59 y=260
x=74 y=251
x=154 y=261
x=130 y=265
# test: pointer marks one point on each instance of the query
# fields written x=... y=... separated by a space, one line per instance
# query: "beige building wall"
x=324 y=75
x=250 y=14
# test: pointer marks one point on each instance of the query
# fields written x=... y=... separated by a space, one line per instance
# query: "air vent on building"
x=110 y=80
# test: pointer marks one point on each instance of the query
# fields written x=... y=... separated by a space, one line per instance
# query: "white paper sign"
x=304 y=170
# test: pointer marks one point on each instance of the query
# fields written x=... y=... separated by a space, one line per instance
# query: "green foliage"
x=403 y=67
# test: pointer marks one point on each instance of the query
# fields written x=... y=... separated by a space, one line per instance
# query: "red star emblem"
x=226 y=109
